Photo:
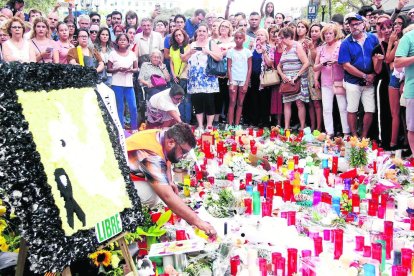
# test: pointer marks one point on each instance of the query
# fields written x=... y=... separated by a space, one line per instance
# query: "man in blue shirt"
x=355 y=55
x=191 y=24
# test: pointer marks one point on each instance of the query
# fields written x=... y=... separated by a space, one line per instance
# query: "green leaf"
x=164 y=218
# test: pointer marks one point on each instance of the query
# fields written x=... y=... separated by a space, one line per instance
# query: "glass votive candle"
x=266 y=211
x=318 y=245
x=412 y=223
x=376 y=251
x=326 y=234
x=291 y=218
x=406 y=256
x=292 y=261
x=367 y=251
x=234 y=265
x=381 y=212
x=180 y=235
x=359 y=243
x=248 y=205
x=369 y=270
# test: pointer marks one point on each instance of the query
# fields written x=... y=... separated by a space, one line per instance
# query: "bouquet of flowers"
x=220 y=204
x=358 y=152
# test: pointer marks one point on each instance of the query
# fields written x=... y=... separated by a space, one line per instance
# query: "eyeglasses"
x=16 y=27
x=355 y=24
x=178 y=99
x=242 y=25
x=93 y=31
x=4 y=35
x=96 y=20
x=183 y=152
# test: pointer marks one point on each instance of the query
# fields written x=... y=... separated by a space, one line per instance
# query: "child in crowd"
x=239 y=67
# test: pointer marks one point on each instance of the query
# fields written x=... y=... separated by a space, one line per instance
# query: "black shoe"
x=406 y=153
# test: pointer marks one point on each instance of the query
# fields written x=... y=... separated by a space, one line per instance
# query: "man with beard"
x=150 y=154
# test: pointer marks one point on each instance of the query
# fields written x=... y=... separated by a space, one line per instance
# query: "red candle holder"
x=211 y=180
x=367 y=251
x=317 y=241
x=234 y=147
x=359 y=243
x=279 y=188
x=377 y=251
x=292 y=261
x=334 y=164
x=372 y=207
x=406 y=256
x=326 y=198
x=266 y=210
x=279 y=161
x=252 y=143
x=234 y=265
x=263 y=266
x=326 y=234
x=388 y=245
x=283 y=215
x=260 y=188
x=281 y=264
x=398 y=270
x=291 y=218
x=287 y=190
x=412 y=223
x=248 y=205
x=296 y=159
x=270 y=190
x=338 y=243
x=249 y=178
x=355 y=203
x=381 y=212
x=384 y=199
x=250 y=130
x=180 y=235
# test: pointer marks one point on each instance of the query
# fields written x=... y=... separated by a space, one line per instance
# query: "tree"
x=45 y=5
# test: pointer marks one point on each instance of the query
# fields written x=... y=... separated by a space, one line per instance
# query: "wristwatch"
x=364 y=76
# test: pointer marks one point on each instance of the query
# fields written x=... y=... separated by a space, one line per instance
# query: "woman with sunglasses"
x=162 y=108
x=16 y=48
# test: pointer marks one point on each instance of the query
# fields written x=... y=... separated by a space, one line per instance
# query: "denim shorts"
x=394 y=82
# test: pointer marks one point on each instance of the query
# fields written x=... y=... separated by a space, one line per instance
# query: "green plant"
x=357 y=157
x=9 y=239
x=154 y=231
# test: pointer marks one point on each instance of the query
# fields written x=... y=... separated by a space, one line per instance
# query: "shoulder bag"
x=269 y=77
x=216 y=68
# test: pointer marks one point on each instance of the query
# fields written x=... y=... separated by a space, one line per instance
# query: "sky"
x=288 y=7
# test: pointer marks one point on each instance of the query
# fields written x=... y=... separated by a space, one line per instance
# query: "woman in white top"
x=16 y=48
x=225 y=42
x=162 y=109
x=123 y=63
x=4 y=36
x=45 y=48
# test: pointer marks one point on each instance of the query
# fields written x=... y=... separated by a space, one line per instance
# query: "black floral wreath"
x=22 y=175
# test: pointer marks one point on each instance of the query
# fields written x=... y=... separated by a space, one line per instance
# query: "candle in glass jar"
x=359 y=243
x=318 y=245
x=292 y=261
x=406 y=256
x=260 y=189
x=281 y=264
x=234 y=265
x=376 y=251
x=367 y=251
x=256 y=203
x=248 y=205
x=338 y=243
x=334 y=164
x=291 y=218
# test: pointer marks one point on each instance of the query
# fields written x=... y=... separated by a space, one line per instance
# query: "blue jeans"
x=186 y=109
x=127 y=93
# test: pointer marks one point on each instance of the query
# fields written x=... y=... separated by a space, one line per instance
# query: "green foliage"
x=358 y=157
x=45 y=5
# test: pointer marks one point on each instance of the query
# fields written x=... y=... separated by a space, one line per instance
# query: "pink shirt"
x=63 y=51
x=329 y=74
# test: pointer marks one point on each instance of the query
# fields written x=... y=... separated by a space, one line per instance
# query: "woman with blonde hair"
x=225 y=42
x=331 y=75
x=16 y=48
x=46 y=49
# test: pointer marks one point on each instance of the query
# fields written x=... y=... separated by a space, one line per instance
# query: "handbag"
x=157 y=81
x=287 y=88
x=269 y=77
x=216 y=68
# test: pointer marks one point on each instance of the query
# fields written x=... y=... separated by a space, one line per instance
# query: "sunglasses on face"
x=96 y=20
x=16 y=27
x=242 y=25
x=93 y=32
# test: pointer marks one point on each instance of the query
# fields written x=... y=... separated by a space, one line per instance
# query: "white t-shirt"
x=239 y=63
x=118 y=61
x=163 y=101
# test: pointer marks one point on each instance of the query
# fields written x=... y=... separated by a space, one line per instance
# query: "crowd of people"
x=351 y=76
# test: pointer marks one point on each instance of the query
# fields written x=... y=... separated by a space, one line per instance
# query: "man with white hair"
x=84 y=22
x=148 y=40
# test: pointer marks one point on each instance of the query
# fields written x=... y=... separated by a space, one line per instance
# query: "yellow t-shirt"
x=180 y=67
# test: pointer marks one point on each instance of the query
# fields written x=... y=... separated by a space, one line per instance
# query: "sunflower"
x=101 y=257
